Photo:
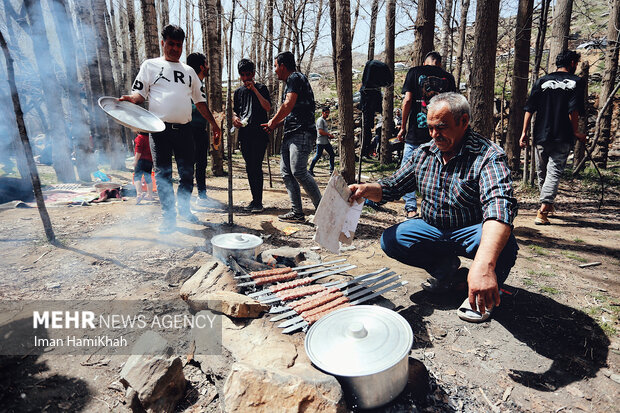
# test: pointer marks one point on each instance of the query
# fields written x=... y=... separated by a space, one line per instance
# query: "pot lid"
x=236 y=241
x=359 y=340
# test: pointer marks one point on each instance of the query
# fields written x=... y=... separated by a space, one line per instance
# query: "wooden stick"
x=19 y=117
x=590 y=264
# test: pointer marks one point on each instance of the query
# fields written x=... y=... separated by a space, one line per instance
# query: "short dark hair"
x=172 y=31
x=566 y=57
x=325 y=109
x=433 y=55
x=288 y=60
x=195 y=60
x=246 y=66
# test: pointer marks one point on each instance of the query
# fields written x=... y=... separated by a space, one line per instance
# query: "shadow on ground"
x=574 y=342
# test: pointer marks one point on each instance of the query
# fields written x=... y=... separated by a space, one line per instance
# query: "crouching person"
x=467 y=208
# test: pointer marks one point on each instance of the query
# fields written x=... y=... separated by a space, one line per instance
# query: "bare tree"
x=356 y=15
x=345 y=89
x=446 y=44
x=424 y=31
x=61 y=154
x=482 y=77
x=374 y=11
x=611 y=70
x=333 y=25
x=561 y=28
x=519 y=82
x=113 y=37
x=133 y=48
x=317 y=33
x=387 y=129
x=461 y=44
x=149 y=21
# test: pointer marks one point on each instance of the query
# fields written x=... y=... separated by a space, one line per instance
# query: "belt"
x=175 y=126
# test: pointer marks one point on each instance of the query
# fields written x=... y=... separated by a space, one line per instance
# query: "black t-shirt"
x=247 y=106
x=424 y=82
x=301 y=118
x=553 y=97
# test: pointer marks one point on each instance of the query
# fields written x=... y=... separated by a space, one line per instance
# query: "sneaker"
x=412 y=214
x=253 y=208
x=541 y=218
x=189 y=217
x=292 y=217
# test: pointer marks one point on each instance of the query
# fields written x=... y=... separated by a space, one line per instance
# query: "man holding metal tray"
x=170 y=86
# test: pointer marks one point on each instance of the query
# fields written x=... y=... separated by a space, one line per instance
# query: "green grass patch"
x=536 y=249
x=528 y=282
x=572 y=256
x=608 y=328
x=549 y=290
x=540 y=273
x=578 y=240
x=377 y=167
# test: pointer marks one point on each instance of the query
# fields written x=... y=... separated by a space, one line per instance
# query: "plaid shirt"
x=471 y=188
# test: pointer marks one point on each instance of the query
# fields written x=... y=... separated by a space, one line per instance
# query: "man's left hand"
x=582 y=137
x=217 y=134
x=483 y=288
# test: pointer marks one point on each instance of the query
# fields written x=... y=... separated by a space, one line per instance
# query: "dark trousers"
x=319 y=152
x=175 y=140
x=253 y=150
x=201 y=144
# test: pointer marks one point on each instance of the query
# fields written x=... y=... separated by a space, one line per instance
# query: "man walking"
x=297 y=115
x=557 y=98
x=251 y=104
x=170 y=87
x=322 y=141
x=421 y=84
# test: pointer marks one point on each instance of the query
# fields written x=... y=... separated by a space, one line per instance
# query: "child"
x=143 y=165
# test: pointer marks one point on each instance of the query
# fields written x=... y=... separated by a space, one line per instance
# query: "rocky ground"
x=552 y=346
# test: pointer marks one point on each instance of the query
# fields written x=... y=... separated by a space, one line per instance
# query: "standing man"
x=557 y=98
x=468 y=208
x=198 y=62
x=322 y=141
x=297 y=115
x=421 y=84
x=170 y=87
x=251 y=104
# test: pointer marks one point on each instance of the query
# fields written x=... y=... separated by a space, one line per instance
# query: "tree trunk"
x=80 y=130
x=461 y=45
x=19 y=117
x=424 y=31
x=149 y=20
x=134 y=66
x=540 y=39
x=115 y=146
x=611 y=69
x=317 y=29
x=110 y=23
x=58 y=135
x=561 y=28
x=519 y=82
x=387 y=129
x=164 y=12
x=446 y=44
x=356 y=15
x=214 y=55
x=333 y=26
x=257 y=31
x=374 y=11
x=188 y=28
x=482 y=77
x=345 y=89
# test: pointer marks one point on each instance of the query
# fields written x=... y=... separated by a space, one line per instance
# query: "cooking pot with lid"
x=237 y=244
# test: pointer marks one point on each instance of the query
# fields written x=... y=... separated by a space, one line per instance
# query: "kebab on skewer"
x=283 y=270
x=294 y=275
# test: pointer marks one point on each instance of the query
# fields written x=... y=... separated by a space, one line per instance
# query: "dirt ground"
x=552 y=346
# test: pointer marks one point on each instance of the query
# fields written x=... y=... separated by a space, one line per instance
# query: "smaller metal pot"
x=367 y=348
x=236 y=244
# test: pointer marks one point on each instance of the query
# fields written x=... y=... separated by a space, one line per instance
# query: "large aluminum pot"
x=236 y=244
x=367 y=349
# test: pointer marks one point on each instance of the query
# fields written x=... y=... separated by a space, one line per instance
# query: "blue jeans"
x=410 y=199
x=550 y=164
x=416 y=243
x=296 y=148
x=319 y=152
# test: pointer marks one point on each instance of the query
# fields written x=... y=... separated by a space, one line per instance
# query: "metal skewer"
x=322 y=264
x=312 y=271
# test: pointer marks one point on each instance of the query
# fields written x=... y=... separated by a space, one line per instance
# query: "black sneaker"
x=253 y=208
x=292 y=217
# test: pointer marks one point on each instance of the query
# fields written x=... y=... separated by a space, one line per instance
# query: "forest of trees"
x=68 y=53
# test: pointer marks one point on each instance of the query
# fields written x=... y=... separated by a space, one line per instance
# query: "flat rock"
x=212 y=276
x=298 y=255
x=268 y=390
x=157 y=380
x=227 y=302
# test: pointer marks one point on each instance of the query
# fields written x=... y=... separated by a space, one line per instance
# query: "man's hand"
x=524 y=141
x=371 y=191
x=136 y=98
x=250 y=84
x=269 y=126
x=237 y=122
x=401 y=135
x=582 y=137
x=483 y=288
x=217 y=134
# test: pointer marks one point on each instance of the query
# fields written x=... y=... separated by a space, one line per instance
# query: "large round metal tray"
x=133 y=116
